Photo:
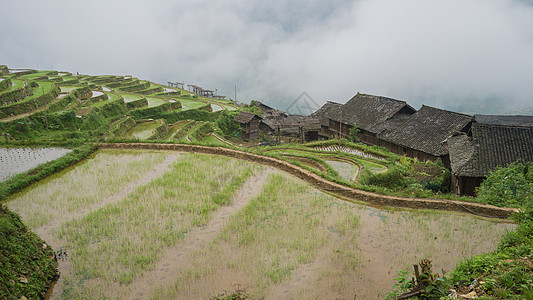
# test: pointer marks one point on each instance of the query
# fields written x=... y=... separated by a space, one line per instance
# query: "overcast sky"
x=444 y=53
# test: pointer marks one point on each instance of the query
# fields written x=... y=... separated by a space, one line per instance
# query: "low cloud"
x=450 y=54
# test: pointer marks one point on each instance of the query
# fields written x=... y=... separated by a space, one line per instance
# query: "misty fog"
x=472 y=56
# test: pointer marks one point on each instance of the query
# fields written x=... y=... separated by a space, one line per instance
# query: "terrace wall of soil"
x=122 y=126
x=16 y=95
x=27 y=106
x=141 y=113
x=161 y=130
x=328 y=186
x=4 y=84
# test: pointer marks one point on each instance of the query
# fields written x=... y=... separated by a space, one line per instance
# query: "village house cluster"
x=470 y=146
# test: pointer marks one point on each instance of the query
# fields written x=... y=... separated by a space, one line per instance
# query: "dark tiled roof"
x=393 y=122
x=427 y=129
x=368 y=111
x=271 y=124
x=308 y=122
x=489 y=147
x=245 y=117
x=505 y=120
x=322 y=113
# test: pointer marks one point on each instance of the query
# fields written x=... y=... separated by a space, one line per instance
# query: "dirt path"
x=370 y=198
x=177 y=258
x=47 y=232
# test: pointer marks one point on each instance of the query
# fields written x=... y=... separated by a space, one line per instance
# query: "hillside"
x=154 y=183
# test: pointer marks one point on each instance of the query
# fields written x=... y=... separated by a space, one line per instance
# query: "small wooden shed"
x=249 y=125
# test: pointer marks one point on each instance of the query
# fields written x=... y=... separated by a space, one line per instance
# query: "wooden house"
x=249 y=125
x=322 y=115
x=422 y=134
x=372 y=114
x=305 y=128
x=483 y=149
x=268 y=112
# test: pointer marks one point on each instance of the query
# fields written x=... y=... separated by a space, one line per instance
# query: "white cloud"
x=438 y=52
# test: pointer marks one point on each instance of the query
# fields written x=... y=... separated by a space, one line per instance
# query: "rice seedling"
x=295 y=242
x=267 y=241
x=347 y=171
x=116 y=243
x=18 y=160
x=84 y=185
x=143 y=130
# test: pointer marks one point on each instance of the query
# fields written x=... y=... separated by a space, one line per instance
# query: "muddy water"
x=18 y=160
x=392 y=240
x=347 y=171
x=216 y=107
x=97 y=93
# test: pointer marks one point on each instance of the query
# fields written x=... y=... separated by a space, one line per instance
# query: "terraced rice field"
x=18 y=160
x=96 y=94
x=16 y=84
x=110 y=98
x=160 y=225
x=347 y=171
x=68 y=89
x=347 y=150
x=174 y=128
x=130 y=97
x=216 y=107
x=143 y=131
x=190 y=104
x=153 y=101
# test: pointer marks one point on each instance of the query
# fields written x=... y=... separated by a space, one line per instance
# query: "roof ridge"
x=524 y=127
x=446 y=110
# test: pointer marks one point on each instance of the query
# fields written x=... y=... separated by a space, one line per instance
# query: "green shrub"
x=392 y=179
x=23 y=252
x=137 y=103
x=4 y=84
x=227 y=124
x=509 y=186
x=150 y=112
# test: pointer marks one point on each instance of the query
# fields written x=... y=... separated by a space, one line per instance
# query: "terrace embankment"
x=373 y=199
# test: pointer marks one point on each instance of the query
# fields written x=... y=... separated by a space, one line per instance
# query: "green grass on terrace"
x=111 y=97
x=16 y=84
x=175 y=127
x=130 y=97
x=143 y=130
x=68 y=89
x=153 y=101
x=38 y=91
x=187 y=104
x=36 y=75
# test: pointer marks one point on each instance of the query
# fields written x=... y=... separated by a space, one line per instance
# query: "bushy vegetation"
x=225 y=122
x=27 y=264
x=510 y=186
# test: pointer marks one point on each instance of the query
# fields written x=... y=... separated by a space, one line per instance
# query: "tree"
x=353 y=133
x=508 y=186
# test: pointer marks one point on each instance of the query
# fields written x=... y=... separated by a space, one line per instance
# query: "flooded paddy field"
x=147 y=224
x=143 y=130
x=347 y=171
x=17 y=160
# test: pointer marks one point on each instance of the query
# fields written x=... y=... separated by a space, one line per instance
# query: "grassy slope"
x=27 y=264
